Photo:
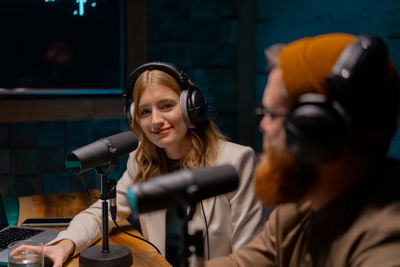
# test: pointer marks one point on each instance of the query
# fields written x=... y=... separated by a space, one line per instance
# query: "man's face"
x=279 y=178
x=276 y=105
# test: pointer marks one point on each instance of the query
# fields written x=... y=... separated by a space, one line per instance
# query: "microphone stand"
x=190 y=243
x=106 y=255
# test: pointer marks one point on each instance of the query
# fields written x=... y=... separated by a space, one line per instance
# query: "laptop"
x=10 y=234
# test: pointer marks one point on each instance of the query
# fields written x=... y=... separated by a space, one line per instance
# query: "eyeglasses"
x=260 y=111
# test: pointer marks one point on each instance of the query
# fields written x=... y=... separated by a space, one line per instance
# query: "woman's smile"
x=161 y=131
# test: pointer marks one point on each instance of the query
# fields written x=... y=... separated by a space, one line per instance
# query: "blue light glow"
x=81 y=6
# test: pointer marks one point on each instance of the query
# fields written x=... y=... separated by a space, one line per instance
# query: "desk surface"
x=70 y=204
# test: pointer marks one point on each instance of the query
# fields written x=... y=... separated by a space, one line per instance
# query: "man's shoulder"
x=291 y=210
x=375 y=228
x=381 y=214
x=374 y=212
x=287 y=217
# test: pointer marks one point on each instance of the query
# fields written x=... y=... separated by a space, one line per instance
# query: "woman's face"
x=160 y=118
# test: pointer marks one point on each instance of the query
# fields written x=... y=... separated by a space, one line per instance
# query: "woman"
x=169 y=117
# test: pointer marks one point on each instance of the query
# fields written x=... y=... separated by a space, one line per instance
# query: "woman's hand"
x=59 y=252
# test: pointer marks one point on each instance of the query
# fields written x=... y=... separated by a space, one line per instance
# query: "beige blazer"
x=233 y=219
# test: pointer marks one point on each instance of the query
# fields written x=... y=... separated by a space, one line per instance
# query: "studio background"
x=219 y=43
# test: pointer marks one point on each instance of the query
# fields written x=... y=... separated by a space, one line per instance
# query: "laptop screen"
x=3 y=216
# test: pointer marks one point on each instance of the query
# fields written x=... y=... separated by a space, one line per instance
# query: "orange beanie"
x=307 y=62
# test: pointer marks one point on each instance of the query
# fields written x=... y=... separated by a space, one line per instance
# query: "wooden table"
x=70 y=204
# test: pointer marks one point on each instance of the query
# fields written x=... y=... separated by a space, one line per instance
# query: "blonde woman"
x=169 y=115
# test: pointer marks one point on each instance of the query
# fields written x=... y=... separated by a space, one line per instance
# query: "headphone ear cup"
x=128 y=109
x=184 y=109
x=316 y=129
x=193 y=107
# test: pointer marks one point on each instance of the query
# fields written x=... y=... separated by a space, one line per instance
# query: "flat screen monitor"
x=62 y=46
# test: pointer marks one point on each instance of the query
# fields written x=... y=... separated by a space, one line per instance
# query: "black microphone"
x=181 y=188
x=101 y=152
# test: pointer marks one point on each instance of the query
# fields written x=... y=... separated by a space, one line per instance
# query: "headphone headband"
x=366 y=51
x=179 y=75
x=191 y=102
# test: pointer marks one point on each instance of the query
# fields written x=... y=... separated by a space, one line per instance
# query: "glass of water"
x=27 y=253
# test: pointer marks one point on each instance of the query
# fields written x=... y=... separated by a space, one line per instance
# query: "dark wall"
x=282 y=21
x=36 y=134
x=33 y=153
x=219 y=43
x=201 y=37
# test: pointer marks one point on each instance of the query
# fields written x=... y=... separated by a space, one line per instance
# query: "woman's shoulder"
x=131 y=164
x=229 y=151
x=226 y=146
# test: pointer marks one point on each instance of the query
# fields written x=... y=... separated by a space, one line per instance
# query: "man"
x=330 y=110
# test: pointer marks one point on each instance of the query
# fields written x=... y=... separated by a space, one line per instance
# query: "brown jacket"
x=361 y=228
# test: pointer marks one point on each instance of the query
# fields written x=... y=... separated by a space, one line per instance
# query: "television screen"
x=62 y=45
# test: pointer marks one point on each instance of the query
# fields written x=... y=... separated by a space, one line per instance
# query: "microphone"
x=101 y=152
x=181 y=187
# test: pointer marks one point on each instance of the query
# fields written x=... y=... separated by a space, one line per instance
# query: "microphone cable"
x=135 y=236
x=113 y=215
x=202 y=208
x=113 y=211
x=207 y=238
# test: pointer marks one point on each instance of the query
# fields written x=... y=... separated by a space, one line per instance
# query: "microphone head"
x=213 y=181
x=182 y=188
x=101 y=152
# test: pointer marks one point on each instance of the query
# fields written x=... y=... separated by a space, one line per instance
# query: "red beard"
x=278 y=177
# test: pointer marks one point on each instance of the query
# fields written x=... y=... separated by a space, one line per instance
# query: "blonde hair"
x=150 y=159
x=272 y=55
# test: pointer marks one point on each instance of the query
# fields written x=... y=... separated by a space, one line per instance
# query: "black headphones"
x=192 y=103
x=319 y=127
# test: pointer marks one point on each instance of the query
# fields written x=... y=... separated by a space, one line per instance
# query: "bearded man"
x=330 y=110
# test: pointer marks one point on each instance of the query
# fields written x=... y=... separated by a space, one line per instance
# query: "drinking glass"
x=27 y=253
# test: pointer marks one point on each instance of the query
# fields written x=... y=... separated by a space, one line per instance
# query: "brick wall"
x=33 y=155
x=201 y=37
